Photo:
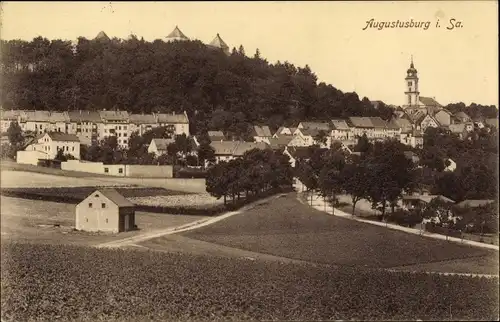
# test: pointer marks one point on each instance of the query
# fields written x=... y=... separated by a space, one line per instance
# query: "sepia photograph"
x=249 y=161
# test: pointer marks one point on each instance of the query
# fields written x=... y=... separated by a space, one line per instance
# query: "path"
x=190 y=226
x=319 y=204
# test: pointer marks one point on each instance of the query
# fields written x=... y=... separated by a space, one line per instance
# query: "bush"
x=405 y=218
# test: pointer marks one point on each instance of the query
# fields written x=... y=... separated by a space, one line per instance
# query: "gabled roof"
x=325 y=126
x=429 y=101
x=280 y=142
x=10 y=114
x=60 y=137
x=142 y=118
x=378 y=123
x=403 y=124
x=311 y=132
x=216 y=135
x=114 y=115
x=177 y=34
x=428 y=116
x=224 y=147
x=340 y=125
x=218 y=43
x=46 y=116
x=84 y=116
x=262 y=131
x=162 y=144
x=462 y=116
x=243 y=147
x=115 y=197
x=364 y=122
x=474 y=203
x=172 y=118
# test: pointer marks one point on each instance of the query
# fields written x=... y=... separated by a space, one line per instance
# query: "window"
x=124 y=141
x=86 y=219
x=106 y=170
x=73 y=149
x=120 y=170
x=67 y=148
x=124 y=127
x=106 y=220
x=119 y=128
x=90 y=205
x=96 y=195
x=103 y=205
x=409 y=84
x=119 y=134
x=124 y=134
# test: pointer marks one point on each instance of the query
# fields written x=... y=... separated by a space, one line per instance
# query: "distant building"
x=142 y=123
x=450 y=165
x=101 y=36
x=261 y=133
x=178 y=122
x=85 y=125
x=51 y=142
x=229 y=150
x=105 y=210
x=474 y=203
x=115 y=123
x=419 y=201
x=159 y=146
x=219 y=44
x=176 y=35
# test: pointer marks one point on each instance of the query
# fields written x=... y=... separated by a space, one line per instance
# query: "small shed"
x=105 y=210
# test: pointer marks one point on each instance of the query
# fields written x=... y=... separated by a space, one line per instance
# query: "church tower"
x=412 y=93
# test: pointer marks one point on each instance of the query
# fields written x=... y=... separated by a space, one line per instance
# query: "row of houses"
x=94 y=125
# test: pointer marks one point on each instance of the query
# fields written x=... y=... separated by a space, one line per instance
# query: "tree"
x=363 y=145
x=15 y=134
x=354 y=182
x=321 y=138
x=257 y=54
x=206 y=154
x=241 y=50
x=389 y=174
x=60 y=156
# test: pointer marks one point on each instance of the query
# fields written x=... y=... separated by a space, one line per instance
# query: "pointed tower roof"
x=101 y=36
x=219 y=43
x=177 y=34
x=411 y=71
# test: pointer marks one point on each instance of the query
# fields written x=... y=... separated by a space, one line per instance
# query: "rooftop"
x=115 y=197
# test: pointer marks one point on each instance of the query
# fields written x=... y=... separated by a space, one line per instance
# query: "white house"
x=51 y=142
x=142 y=123
x=159 y=146
x=341 y=131
x=115 y=123
x=105 y=210
x=261 y=133
x=428 y=121
x=179 y=122
x=85 y=125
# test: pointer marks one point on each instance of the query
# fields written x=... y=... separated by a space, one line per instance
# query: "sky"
x=454 y=65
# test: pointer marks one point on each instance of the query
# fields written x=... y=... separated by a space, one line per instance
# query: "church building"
x=420 y=108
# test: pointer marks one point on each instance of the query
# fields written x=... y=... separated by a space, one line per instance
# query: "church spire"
x=411 y=65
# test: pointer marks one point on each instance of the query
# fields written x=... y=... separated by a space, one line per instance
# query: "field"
x=61 y=282
x=287 y=228
x=40 y=177
x=34 y=220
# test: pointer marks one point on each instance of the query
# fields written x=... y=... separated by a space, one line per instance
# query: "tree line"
x=217 y=91
x=255 y=173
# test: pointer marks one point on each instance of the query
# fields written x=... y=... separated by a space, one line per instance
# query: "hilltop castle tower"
x=176 y=34
x=219 y=44
x=412 y=93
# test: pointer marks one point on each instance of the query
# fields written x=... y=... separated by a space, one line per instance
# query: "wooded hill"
x=217 y=91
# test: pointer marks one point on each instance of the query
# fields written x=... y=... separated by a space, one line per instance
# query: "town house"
x=115 y=123
x=51 y=142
